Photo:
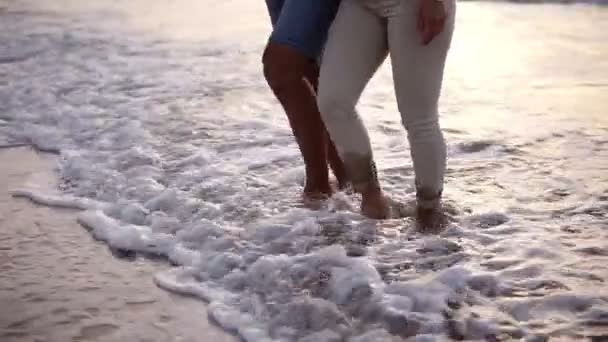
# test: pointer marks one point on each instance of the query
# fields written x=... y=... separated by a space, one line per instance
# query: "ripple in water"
x=175 y=160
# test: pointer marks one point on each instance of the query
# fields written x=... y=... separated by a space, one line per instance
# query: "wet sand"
x=58 y=284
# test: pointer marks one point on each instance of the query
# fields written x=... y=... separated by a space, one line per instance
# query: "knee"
x=419 y=116
x=278 y=74
x=422 y=128
x=419 y=111
x=332 y=105
x=418 y=122
x=282 y=66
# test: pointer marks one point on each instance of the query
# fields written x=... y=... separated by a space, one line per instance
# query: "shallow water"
x=57 y=285
x=164 y=124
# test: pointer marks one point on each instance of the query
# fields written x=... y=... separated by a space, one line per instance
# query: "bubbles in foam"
x=166 y=164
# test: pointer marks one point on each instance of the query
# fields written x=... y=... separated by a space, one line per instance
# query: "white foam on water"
x=58 y=200
x=177 y=149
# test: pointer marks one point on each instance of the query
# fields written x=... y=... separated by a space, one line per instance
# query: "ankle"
x=371 y=191
x=317 y=186
x=374 y=204
x=427 y=199
x=362 y=173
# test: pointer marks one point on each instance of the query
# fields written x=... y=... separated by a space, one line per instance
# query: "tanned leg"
x=288 y=74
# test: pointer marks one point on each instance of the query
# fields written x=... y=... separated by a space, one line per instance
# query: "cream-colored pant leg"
x=418 y=75
x=357 y=45
x=355 y=48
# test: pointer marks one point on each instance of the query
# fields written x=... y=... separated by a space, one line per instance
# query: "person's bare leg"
x=336 y=164
x=287 y=72
x=333 y=158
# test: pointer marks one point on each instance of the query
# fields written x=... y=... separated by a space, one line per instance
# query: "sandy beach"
x=171 y=142
x=58 y=284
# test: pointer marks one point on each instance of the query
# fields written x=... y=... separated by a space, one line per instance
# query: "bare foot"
x=375 y=205
x=343 y=184
x=336 y=186
x=314 y=198
x=430 y=220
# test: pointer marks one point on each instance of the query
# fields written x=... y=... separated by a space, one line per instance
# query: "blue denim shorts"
x=302 y=24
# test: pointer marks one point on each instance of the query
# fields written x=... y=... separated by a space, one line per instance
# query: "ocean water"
x=172 y=145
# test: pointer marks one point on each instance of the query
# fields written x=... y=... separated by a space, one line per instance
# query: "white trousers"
x=359 y=41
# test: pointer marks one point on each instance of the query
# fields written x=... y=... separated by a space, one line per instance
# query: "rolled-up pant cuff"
x=362 y=171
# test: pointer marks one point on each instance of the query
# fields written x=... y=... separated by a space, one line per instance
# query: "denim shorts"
x=302 y=24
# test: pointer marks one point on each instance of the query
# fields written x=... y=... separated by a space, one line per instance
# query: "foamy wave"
x=166 y=155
